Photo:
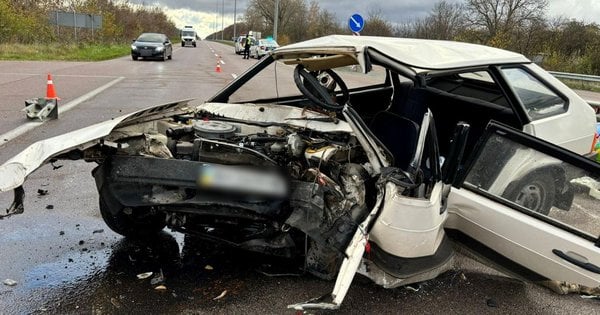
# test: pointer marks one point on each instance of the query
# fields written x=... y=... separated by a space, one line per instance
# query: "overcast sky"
x=205 y=15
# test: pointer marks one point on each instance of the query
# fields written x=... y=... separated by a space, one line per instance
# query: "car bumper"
x=147 y=53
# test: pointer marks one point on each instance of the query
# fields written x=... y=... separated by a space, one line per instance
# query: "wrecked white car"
x=360 y=154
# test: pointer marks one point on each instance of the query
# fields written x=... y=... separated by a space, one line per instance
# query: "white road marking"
x=221 y=61
x=5 y=138
x=61 y=75
x=234 y=75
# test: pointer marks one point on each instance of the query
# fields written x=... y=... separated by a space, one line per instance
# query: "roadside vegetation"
x=556 y=43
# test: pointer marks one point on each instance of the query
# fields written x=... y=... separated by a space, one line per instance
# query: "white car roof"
x=416 y=53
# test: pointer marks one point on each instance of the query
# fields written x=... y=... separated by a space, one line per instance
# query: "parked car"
x=262 y=47
x=152 y=45
x=382 y=171
x=240 y=43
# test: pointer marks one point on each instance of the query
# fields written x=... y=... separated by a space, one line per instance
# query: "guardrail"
x=576 y=76
x=584 y=78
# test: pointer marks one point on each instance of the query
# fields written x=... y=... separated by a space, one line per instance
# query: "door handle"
x=585 y=265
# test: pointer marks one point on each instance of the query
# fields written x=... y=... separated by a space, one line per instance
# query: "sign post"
x=356 y=23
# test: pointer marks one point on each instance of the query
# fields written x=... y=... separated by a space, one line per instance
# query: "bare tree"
x=501 y=17
x=445 y=21
x=376 y=25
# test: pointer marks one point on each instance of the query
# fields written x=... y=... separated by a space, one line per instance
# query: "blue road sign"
x=356 y=23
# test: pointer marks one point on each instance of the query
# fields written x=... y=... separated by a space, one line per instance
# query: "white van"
x=188 y=36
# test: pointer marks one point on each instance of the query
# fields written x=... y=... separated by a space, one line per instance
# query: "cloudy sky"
x=206 y=15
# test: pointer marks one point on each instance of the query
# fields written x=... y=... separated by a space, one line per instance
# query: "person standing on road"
x=247 y=47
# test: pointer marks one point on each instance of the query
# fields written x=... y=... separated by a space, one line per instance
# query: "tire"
x=138 y=223
x=134 y=57
x=536 y=192
x=171 y=56
x=164 y=56
x=182 y=44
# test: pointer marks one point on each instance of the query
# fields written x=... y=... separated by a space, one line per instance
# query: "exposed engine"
x=254 y=185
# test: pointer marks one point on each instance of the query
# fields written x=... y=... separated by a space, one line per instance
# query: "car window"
x=277 y=81
x=476 y=84
x=539 y=101
x=527 y=179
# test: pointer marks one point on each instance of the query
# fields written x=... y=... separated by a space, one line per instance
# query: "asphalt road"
x=65 y=260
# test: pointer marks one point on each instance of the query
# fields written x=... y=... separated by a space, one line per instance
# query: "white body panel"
x=409 y=227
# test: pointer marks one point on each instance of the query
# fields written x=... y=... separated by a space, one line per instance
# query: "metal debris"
x=145 y=275
x=220 y=295
x=158 y=278
x=42 y=192
x=10 y=282
x=50 y=207
x=98 y=231
x=161 y=287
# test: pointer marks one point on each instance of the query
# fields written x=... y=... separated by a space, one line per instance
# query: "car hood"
x=419 y=54
x=14 y=172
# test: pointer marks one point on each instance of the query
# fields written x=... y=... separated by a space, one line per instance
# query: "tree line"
x=522 y=26
x=519 y=25
x=29 y=21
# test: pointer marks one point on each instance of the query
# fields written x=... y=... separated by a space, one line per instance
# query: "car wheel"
x=535 y=192
x=134 y=57
x=171 y=56
x=132 y=221
x=182 y=44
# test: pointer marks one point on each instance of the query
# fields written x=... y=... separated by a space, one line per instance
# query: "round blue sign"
x=356 y=23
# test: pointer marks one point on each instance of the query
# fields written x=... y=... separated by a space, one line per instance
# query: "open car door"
x=560 y=249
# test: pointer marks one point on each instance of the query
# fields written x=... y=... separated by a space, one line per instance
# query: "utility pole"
x=276 y=20
x=234 y=18
x=222 y=18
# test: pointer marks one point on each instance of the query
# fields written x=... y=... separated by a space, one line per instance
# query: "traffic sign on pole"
x=356 y=23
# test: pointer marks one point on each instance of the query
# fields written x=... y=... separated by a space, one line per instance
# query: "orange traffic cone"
x=218 y=67
x=50 y=92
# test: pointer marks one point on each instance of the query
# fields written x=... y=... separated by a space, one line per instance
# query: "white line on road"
x=221 y=61
x=234 y=75
x=61 y=75
x=5 y=138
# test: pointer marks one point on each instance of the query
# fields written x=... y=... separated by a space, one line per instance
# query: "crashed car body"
x=378 y=171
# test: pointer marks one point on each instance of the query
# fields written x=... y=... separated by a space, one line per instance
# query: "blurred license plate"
x=241 y=179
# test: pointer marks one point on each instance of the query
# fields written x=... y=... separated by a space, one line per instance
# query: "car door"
x=562 y=246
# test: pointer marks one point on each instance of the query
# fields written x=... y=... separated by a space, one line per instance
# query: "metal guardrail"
x=581 y=77
x=576 y=76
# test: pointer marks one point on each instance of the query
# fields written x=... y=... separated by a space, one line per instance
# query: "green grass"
x=67 y=52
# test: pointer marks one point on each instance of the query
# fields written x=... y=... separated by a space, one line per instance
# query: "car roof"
x=419 y=54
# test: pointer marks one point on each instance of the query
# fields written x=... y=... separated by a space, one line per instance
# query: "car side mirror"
x=133 y=40
x=458 y=142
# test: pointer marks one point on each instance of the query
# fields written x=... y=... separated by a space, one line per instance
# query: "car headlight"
x=134 y=47
x=160 y=48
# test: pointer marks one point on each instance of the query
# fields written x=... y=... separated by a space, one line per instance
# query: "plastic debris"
x=161 y=287
x=411 y=288
x=145 y=275
x=220 y=295
x=491 y=303
x=42 y=192
x=50 y=207
x=209 y=267
x=98 y=231
x=10 y=282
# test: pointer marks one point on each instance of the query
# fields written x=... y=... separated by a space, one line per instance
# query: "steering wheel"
x=310 y=86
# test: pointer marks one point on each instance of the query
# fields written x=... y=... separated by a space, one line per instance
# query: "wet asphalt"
x=66 y=261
